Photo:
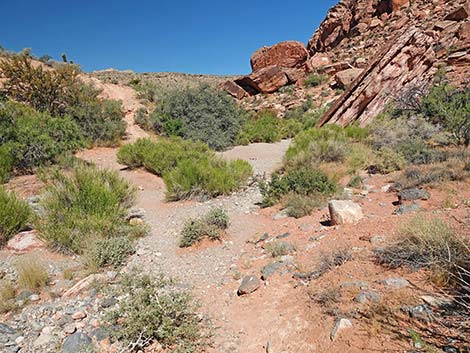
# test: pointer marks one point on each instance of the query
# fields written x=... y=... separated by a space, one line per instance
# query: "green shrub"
x=303 y=181
x=315 y=79
x=356 y=182
x=299 y=206
x=387 y=161
x=6 y=162
x=449 y=107
x=31 y=139
x=85 y=205
x=279 y=248
x=14 y=215
x=200 y=114
x=60 y=92
x=189 y=169
x=263 y=127
x=110 y=252
x=211 y=226
x=153 y=310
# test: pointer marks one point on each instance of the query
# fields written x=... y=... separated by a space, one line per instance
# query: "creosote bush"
x=155 y=310
x=84 y=205
x=61 y=93
x=212 y=226
x=110 y=252
x=189 y=169
x=199 y=114
x=14 y=215
x=299 y=206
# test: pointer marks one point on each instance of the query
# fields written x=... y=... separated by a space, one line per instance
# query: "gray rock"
x=281 y=215
x=403 y=209
x=5 y=329
x=340 y=325
x=413 y=194
x=108 y=302
x=359 y=284
x=396 y=283
x=283 y=236
x=421 y=312
x=249 y=285
x=377 y=239
x=368 y=296
x=76 y=343
x=99 y=334
x=24 y=295
x=271 y=269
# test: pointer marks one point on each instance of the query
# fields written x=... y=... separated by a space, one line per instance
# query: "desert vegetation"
x=212 y=226
x=14 y=215
x=189 y=169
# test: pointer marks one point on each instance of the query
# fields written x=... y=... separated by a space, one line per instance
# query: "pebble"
x=76 y=343
x=396 y=283
x=79 y=315
x=34 y=298
x=249 y=285
x=70 y=328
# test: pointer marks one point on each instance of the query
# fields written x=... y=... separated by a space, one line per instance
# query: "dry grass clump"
x=32 y=273
x=7 y=296
x=434 y=245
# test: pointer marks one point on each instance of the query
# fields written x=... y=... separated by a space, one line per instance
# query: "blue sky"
x=206 y=37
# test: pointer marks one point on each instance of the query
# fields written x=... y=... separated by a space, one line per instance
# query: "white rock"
x=340 y=325
x=344 y=211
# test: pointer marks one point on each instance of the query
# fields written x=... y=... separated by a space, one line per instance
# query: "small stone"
x=108 y=302
x=43 y=339
x=70 y=328
x=283 y=236
x=34 y=298
x=79 y=315
x=99 y=334
x=78 y=342
x=95 y=323
x=340 y=325
x=5 y=329
x=281 y=215
x=249 y=285
x=396 y=283
x=377 y=239
x=24 y=295
x=19 y=339
x=413 y=194
x=270 y=269
x=404 y=209
x=370 y=296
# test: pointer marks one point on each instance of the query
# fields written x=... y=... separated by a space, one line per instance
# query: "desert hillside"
x=319 y=204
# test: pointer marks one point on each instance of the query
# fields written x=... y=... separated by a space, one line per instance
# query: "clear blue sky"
x=207 y=37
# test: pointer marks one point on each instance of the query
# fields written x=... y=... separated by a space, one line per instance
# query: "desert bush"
x=387 y=161
x=32 y=273
x=279 y=248
x=60 y=92
x=451 y=170
x=6 y=162
x=200 y=114
x=431 y=244
x=299 y=206
x=14 y=215
x=449 y=107
x=141 y=118
x=265 y=126
x=84 y=205
x=331 y=260
x=303 y=181
x=154 y=310
x=29 y=139
x=356 y=181
x=315 y=79
x=211 y=226
x=7 y=297
x=110 y=252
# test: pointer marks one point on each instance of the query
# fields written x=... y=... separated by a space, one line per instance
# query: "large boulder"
x=266 y=80
x=288 y=54
x=344 y=211
x=25 y=242
x=234 y=90
x=345 y=78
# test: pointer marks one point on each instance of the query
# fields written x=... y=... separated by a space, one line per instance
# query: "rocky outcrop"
x=407 y=62
x=288 y=54
x=345 y=78
x=273 y=67
x=351 y=17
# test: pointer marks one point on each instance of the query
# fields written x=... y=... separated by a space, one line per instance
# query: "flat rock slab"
x=25 y=242
x=413 y=194
x=344 y=211
x=396 y=283
x=249 y=285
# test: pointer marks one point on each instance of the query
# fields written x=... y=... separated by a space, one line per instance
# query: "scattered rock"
x=340 y=325
x=70 y=328
x=5 y=329
x=377 y=239
x=34 y=298
x=25 y=242
x=459 y=14
x=283 y=236
x=83 y=285
x=271 y=269
x=436 y=301
x=396 y=283
x=404 y=209
x=344 y=211
x=366 y=296
x=413 y=194
x=234 y=90
x=249 y=285
x=76 y=343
